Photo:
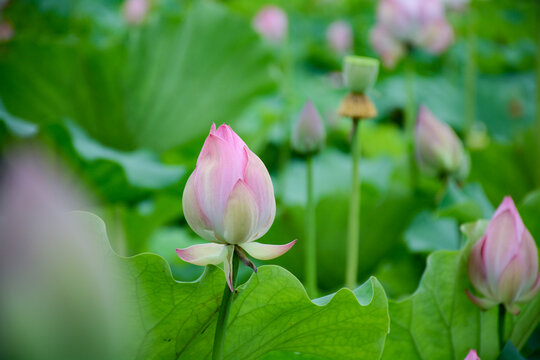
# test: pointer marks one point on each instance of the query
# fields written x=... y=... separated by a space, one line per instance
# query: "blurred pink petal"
x=339 y=36
x=271 y=22
x=135 y=11
x=472 y=355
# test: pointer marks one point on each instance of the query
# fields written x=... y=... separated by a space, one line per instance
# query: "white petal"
x=204 y=254
x=266 y=252
x=241 y=215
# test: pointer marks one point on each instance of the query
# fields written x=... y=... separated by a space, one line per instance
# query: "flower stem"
x=311 y=245
x=470 y=74
x=354 y=211
x=221 y=325
x=502 y=314
x=410 y=115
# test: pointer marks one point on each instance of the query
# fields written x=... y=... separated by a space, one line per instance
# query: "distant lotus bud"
x=6 y=31
x=271 y=22
x=436 y=37
x=472 y=355
x=387 y=46
x=360 y=73
x=229 y=201
x=135 y=11
x=503 y=264
x=339 y=36
x=308 y=135
x=438 y=149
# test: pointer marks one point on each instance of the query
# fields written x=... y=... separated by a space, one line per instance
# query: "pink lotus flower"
x=308 y=135
x=436 y=37
x=472 y=355
x=135 y=11
x=229 y=201
x=503 y=264
x=403 y=23
x=271 y=22
x=387 y=46
x=438 y=149
x=339 y=36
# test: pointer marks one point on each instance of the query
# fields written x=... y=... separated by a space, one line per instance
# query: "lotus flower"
x=271 y=22
x=472 y=355
x=229 y=201
x=404 y=23
x=339 y=36
x=503 y=264
x=135 y=11
x=308 y=135
x=438 y=149
x=387 y=46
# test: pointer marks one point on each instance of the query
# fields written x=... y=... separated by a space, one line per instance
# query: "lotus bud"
x=387 y=46
x=472 y=355
x=438 y=149
x=360 y=73
x=503 y=264
x=135 y=11
x=271 y=22
x=339 y=36
x=229 y=201
x=308 y=135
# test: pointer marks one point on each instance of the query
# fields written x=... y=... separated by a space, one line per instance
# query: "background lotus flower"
x=272 y=23
x=387 y=46
x=6 y=31
x=472 y=355
x=339 y=36
x=135 y=11
x=229 y=201
x=308 y=134
x=438 y=149
x=404 y=23
x=503 y=264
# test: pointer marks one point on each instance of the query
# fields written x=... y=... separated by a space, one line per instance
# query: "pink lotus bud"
x=438 y=149
x=6 y=31
x=135 y=11
x=472 y=355
x=272 y=23
x=229 y=201
x=308 y=135
x=387 y=46
x=339 y=36
x=436 y=37
x=503 y=264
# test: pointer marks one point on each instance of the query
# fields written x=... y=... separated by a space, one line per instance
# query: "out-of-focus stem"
x=311 y=241
x=354 y=211
x=224 y=310
x=470 y=74
x=410 y=116
x=502 y=315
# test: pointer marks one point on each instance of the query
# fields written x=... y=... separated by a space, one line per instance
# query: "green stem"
x=528 y=319
x=224 y=310
x=502 y=314
x=354 y=211
x=311 y=245
x=470 y=74
x=410 y=119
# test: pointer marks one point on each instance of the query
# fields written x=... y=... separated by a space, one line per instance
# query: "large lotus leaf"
x=428 y=232
x=439 y=321
x=271 y=313
x=158 y=87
